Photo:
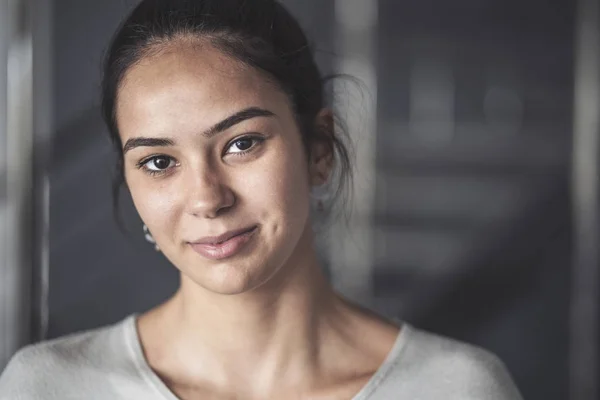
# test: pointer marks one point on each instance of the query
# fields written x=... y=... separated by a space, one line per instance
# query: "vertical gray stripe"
x=351 y=250
x=43 y=130
x=4 y=278
x=15 y=264
x=584 y=301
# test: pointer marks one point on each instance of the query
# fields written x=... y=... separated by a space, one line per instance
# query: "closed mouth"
x=217 y=240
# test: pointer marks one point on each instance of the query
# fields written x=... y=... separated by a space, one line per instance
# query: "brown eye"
x=159 y=163
x=243 y=144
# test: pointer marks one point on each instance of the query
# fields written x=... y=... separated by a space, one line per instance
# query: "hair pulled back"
x=259 y=33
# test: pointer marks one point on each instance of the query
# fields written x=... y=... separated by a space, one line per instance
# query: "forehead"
x=191 y=83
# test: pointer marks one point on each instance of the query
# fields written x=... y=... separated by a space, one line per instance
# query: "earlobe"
x=321 y=163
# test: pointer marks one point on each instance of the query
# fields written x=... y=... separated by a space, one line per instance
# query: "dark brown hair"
x=258 y=33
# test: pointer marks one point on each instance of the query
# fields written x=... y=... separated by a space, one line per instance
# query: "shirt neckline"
x=134 y=346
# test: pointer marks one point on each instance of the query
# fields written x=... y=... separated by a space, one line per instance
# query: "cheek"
x=156 y=205
x=279 y=185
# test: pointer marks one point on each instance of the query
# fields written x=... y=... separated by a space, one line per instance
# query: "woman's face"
x=216 y=167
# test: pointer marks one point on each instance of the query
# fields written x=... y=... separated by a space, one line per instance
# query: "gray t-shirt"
x=108 y=364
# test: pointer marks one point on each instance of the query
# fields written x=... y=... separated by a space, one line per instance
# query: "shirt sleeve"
x=20 y=380
x=491 y=379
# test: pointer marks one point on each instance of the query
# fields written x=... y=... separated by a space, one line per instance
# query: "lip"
x=215 y=240
x=225 y=245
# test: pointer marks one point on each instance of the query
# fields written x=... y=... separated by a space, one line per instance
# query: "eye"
x=157 y=164
x=243 y=145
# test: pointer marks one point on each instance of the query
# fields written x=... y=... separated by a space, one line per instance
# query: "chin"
x=252 y=268
x=229 y=279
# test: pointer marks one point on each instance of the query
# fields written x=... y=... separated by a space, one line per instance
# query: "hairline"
x=192 y=41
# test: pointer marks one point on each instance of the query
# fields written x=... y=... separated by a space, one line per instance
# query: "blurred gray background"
x=471 y=215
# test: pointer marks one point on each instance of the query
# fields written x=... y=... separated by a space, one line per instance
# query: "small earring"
x=149 y=238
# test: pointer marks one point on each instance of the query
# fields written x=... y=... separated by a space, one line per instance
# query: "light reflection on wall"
x=17 y=134
x=351 y=252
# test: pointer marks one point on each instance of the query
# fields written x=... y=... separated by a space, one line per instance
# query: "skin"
x=265 y=323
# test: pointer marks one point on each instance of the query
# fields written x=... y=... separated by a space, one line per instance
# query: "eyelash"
x=142 y=164
x=256 y=139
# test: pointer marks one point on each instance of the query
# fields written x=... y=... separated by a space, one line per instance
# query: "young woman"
x=216 y=110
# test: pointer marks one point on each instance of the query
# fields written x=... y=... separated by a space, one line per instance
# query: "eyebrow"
x=146 y=142
x=232 y=120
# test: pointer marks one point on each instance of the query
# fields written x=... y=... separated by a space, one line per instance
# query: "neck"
x=285 y=307
x=269 y=335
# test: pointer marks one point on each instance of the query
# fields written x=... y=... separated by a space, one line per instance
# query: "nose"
x=210 y=196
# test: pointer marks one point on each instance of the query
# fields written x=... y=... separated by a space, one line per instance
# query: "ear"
x=321 y=150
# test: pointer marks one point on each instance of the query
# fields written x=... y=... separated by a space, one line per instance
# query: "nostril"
x=212 y=202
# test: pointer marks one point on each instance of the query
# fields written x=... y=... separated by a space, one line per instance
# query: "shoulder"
x=456 y=370
x=49 y=367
